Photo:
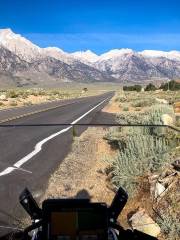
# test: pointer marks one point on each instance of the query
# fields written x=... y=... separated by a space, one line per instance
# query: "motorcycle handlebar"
x=118 y=203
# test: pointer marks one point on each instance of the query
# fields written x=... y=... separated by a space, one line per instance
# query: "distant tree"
x=125 y=88
x=171 y=85
x=137 y=88
x=150 y=87
x=132 y=88
x=85 y=89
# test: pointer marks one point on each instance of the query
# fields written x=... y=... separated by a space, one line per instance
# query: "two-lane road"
x=28 y=155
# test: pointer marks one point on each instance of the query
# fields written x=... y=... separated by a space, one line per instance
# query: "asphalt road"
x=28 y=155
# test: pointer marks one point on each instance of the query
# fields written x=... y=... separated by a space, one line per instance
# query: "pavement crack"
x=22 y=169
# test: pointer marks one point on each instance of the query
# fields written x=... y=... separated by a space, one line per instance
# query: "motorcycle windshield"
x=88 y=148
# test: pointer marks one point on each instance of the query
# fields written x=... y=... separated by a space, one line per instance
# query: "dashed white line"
x=39 y=145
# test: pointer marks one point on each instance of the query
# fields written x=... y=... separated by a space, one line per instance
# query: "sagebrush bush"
x=143 y=103
x=12 y=94
x=126 y=109
x=121 y=99
x=152 y=116
x=169 y=225
x=55 y=92
x=138 y=155
x=141 y=149
x=42 y=93
x=155 y=113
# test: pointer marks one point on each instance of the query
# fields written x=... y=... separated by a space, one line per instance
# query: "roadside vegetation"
x=167 y=86
x=144 y=153
x=25 y=97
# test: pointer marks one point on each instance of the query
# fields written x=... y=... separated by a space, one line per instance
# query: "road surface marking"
x=39 y=145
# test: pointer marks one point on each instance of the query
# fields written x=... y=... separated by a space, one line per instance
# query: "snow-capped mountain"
x=135 y=66
x=115 y=53
x=129 y=66
x=19 y=45
x=19 y=56
x=59 y=54
x=175 y=55
x=86 y=56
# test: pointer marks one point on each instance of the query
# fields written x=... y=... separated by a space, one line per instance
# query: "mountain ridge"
x=19 y=55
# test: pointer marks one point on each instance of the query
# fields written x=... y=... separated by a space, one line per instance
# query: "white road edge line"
x=39 y=145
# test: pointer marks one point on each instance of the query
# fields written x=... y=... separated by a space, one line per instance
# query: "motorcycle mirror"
x=118 y=204
x=29 y=204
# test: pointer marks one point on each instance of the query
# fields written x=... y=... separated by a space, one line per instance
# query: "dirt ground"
x=112 y=107
x=83 y=169
x=9 y=103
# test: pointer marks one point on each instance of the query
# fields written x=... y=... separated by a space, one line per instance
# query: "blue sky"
x=99 y=25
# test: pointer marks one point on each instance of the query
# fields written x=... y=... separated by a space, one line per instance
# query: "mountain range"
x=24 y=63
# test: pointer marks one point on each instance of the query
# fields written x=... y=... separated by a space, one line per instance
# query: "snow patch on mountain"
x=114 y=53
x=59 y=54
x=19 y=45
x=86 y=56
x=154 y=54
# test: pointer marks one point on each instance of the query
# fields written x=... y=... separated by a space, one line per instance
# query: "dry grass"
x=140 y=101
x=24 y=97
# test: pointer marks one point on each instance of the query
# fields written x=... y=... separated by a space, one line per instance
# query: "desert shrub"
x=34 y=93
x=140 y=155
x=132 y=88
x=150 y=87
x=139 y=104
x=125 y=109
x=42 y=93
x=51 y=98
x=55 y=92
x=121 y=99
x=1 y=104
x=168 y=212
x=114 y=135
x=172 y=85
x=12 y=94
x=24 y=94
x=143 y=103
x=152 y=116
x=141 y=150
x=137 y=109
x=169 y=225
x=130 y=118
x=85 y=89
